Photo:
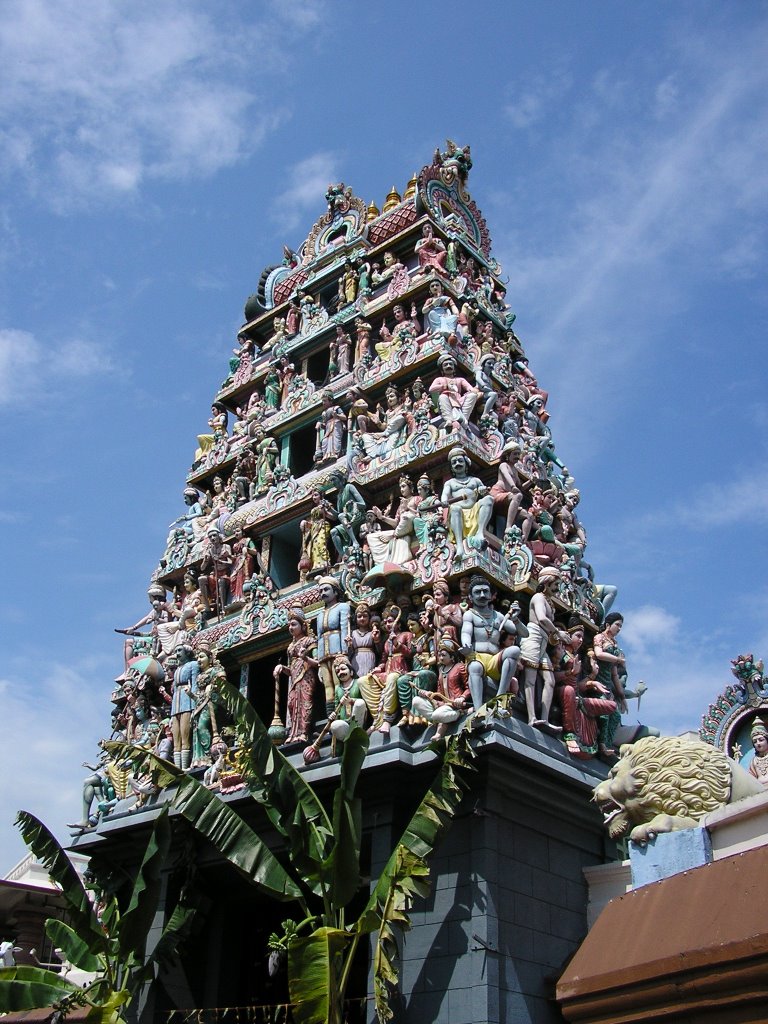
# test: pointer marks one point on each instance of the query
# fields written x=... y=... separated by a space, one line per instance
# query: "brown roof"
x=695 y=943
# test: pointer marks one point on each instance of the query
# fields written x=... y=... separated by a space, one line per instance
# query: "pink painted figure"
x=393 y=272
x=343 y=345
x=431 y=252
x=362 y=339
x=582 y=699
x=456 y=397
x=303 y=679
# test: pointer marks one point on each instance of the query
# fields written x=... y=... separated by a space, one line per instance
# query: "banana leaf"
x=406 y=874
x=27 y=988
x=74 y=949
x=176 y=930
x=137 y=920
x=315 y=964
x=343 y=865
x=46 y=848
x=289 y=801
x=234 y=840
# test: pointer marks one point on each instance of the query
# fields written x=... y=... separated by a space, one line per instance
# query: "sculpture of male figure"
x=215 y=570
x=470 y=505
x=534 y=655
x=481 y=634
x=182 y=705
x=350 y=509
x=332 y=628
x=455 y=396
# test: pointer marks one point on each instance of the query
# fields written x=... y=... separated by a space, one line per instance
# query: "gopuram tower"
x=378 y=527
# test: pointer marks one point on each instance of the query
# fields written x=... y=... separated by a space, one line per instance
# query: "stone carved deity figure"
x=582 y=699
x=396 y=544
x=182 y=704
x=330 y=429
x=451 y=697
x=441 y=314
x=205 y=729
x=483 y=630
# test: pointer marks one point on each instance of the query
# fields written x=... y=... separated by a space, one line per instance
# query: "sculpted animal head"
x=665 y=775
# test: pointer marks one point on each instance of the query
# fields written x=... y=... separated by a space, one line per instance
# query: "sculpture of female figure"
x=348 y=284
x=379 y=688
x=362 y=339
x=272 y=390
x=393 y=272
x=758 y=766
x=583 y=700
x=343 y=346
x=286 y=371
x=395 y=545
x=446 y=613
x=218 y=424
x=330 y=430
x=390 y=426
x=441 y=312
x=404 y=330
x=293 y=318
x=266 y=452
x=244 y=551
x=315 y=534
x=431 y=252
x=302 y=675
x=205 y=728
x=363 y=654
x=421 y=675
x=182 y=704
x=612 y=675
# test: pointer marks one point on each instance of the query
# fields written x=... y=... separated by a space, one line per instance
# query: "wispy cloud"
x=307 y=184
x=29 y=368
x=534 y=100
x=99 y=98
x=51 y=722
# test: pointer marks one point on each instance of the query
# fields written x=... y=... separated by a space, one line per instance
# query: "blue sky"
x=155 y=156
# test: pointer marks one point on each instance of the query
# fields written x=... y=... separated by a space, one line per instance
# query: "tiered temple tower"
x=379 y=486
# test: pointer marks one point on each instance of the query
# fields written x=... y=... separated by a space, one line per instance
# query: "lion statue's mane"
x=679 y=776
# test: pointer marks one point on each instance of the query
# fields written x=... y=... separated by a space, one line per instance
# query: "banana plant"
x=320 y=866
x=109 y=943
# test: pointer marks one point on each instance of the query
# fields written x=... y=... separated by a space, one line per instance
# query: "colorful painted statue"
x=183 y=704
x=533 y=648
x=379 y=688
x=362 y=649
x=205 y=730
x=456 y=398
x=482 y=633
x=451 y=699
x=215 y=570
x=393 y=272
x=303 y=679
x=422 y=673
x=582 y=699
x=332 y=628
x=469 y=503
x=431 y=252
x=387 y=429
x=315 y=534
x=758 y=766
x=330 y=430
x=612 y=674
x=509 y=490
x=396 y=545
x=349 y=705
x=441 y=314
x=404 y=331
x=244 y=551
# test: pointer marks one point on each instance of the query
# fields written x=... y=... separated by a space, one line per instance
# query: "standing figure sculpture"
x=205 y=729
x=332 y=627
x=330 y=430
x=482 y=633
x=302 y=673
x=182 y=705
x=541 y=628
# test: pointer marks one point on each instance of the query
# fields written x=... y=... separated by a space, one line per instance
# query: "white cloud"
x=536 y=99
x=98 y=98
x=51 y=721
x=29 y=367
x=307 y=184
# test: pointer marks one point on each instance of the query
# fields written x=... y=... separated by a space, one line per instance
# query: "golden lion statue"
x=662 y=784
